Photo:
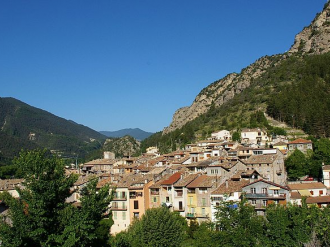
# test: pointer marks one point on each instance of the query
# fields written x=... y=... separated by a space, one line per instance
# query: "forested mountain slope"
x=23 y=126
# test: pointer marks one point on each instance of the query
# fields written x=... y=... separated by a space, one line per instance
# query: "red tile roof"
x=232 y=186
x=299 y=141
x=172 y=179
x=318 y=199
x=306 y=186
x=202 y=181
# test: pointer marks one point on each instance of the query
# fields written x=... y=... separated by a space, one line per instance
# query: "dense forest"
x=27 y=127
x=305 y=103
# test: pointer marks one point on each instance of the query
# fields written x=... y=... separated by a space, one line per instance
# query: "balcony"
x=265 y=196
x=190 y=215
x=120 y=198
x=154 y=193
x=119 y=208
x=178 y=209
x=202 y=215
x=259 y=206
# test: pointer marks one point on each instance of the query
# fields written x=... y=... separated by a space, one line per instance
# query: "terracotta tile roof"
x=180 y=161
x=261 y=159
x=172 y=179
x=186 y=180
x=83 y=179
x=233 y=186
x=202 y=163
x=247 y=173
x=157 y=170
x=326 y=167
x=158 y=184
x=295 y=195
x=10 y=184
x=202 y=182
x=101 y=162
x=318 y=199
x=103 y=182
x=280 y=144
x=306 y=186
x=300 y=140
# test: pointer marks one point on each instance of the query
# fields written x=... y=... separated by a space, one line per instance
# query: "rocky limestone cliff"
x=314 y=39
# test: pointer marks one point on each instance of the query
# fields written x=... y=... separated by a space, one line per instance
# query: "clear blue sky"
x=114 y=64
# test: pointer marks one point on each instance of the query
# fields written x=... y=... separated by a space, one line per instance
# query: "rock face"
x=221 y=91
x=314 y=39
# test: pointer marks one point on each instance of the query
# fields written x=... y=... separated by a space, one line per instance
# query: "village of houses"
x=194 y=181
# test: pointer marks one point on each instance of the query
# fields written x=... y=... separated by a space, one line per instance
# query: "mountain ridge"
x=31 y=126
x=137 y=133
x=313 y=39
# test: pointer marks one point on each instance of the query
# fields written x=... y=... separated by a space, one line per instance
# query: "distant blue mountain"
x=136 y=133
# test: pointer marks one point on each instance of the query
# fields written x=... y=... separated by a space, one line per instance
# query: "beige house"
x=254 y=136
x=198 y=203
x=326 y=175
x=315 y=192
x=300 y=144
x=221 y=135
x=180 y=193
x=269 y=166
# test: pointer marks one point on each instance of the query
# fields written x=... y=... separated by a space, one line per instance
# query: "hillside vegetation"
x=27 y=127
x=296 y=91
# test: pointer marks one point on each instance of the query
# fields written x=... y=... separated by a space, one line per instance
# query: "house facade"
x=254 y=136
x=300 y=144
x=261 y=193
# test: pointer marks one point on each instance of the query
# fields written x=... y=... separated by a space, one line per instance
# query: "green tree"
x=296 y=165
x=158 y=227
x=40 y=216
x=287 y=226
x=322 y=150
x=236 y=220
x=236 y=136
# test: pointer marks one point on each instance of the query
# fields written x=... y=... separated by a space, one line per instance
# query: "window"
x=264 y=190
x=190 y=200
x=312 y=192
x=155 y=199
x=124 y=215
x=136 y=204
x=276 y=192
x=180 y=205
x=167 y=199
x=203 y=202
x=321 y=192
x=254 y=202
x=203 y=211
x=253 y=190
x=136 y=215
x=264 y=203
x=114 y=215
x=169 y=189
